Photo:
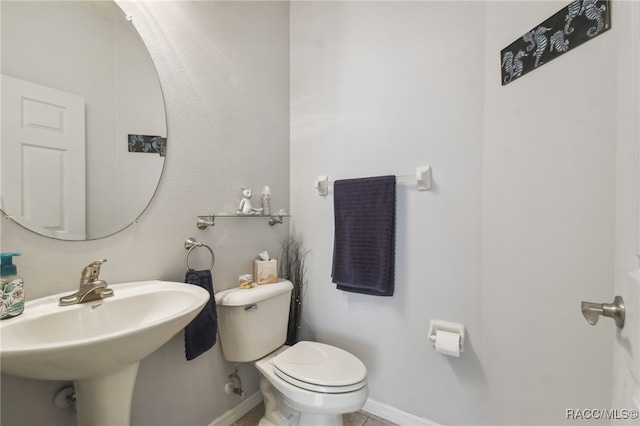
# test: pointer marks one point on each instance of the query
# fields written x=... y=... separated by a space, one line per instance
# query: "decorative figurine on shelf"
x=245 y=205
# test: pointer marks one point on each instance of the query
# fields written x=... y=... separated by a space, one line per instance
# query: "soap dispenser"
x=11 y=287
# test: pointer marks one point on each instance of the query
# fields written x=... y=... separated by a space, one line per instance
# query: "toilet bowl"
x=311 y=384
x=307 y=384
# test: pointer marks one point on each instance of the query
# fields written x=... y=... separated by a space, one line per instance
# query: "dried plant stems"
x=291 y=260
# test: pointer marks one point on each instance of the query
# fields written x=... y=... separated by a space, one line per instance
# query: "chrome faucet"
x=91 y=287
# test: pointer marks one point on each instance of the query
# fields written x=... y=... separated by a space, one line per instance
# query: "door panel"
x=43 y=158
x=626 y=351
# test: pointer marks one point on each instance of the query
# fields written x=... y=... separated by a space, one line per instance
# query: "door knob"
x=615 y=310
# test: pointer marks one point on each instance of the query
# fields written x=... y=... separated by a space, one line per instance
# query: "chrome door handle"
x=615 y=310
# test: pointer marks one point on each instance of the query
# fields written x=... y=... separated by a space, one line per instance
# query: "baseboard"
x=231 y=416
x=394 y=415
x=376 y=408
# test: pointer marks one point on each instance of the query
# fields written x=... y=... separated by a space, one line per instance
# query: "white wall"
x=381 y=88
x=224 y=70
x=517 y=231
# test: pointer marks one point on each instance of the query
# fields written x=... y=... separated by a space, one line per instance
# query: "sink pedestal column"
x=106 y=400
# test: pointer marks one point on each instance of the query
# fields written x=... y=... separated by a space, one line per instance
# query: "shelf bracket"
x=274 y=221
x=205 y=221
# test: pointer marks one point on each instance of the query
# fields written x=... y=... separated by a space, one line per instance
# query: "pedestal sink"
x=98 y=344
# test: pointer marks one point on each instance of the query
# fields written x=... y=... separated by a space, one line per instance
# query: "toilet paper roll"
x=448 y=343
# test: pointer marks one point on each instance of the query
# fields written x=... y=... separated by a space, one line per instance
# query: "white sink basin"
x=97 y=339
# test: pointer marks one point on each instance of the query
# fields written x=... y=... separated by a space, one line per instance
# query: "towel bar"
x=422 y=178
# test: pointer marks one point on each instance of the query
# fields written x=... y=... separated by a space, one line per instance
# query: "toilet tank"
x=253 y=322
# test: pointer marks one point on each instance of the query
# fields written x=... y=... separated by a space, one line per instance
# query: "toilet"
x=307 y=384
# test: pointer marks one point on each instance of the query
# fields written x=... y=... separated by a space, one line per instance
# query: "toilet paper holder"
x=452 y=327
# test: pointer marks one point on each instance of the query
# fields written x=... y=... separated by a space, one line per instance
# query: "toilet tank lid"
x=240 y=297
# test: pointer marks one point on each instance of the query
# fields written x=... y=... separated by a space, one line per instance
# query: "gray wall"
x=224 y=69
x=381 y=88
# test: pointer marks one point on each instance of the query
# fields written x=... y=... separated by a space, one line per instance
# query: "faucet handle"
x=91 y=271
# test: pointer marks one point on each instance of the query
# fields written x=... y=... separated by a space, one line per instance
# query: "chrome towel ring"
x=191 y=243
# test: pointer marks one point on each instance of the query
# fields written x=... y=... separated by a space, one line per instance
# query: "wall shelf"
x=209 y=220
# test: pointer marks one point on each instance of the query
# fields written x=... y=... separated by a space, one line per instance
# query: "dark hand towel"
x=200 y=334
x=364 y=240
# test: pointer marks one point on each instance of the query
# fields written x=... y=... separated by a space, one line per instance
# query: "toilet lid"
x=320 y=368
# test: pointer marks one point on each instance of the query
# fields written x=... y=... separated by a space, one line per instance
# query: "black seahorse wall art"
x=148 y=144
x=575 y=24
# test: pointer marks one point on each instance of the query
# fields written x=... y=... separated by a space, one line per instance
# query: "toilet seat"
x=320 y=368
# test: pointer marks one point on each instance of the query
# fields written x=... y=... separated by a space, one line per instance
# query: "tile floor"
x=360 y=418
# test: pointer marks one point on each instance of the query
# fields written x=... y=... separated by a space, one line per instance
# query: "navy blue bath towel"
x=200 y=334
x=364 y=240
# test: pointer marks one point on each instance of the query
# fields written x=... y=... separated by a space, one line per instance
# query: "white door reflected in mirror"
x=43 y=158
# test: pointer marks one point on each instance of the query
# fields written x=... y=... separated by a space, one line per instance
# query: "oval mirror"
x=83 y=119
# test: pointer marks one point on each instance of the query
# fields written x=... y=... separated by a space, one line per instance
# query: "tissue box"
x=265 y=271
